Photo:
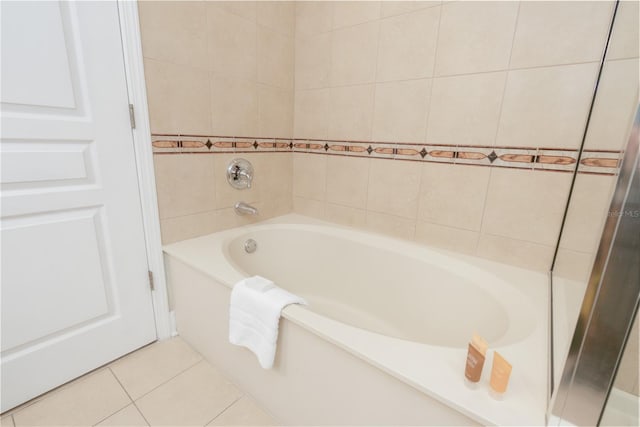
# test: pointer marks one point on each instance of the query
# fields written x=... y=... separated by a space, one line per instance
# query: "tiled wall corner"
x=218 y=68
x=469 y=209
x=454 y=124
x=194 y=197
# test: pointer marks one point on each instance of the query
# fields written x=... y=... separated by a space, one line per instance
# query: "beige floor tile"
x=6 y=421
x=84 y=402
x=129 y=416
x=195 y=397
x=245 y=412
x=146 y=369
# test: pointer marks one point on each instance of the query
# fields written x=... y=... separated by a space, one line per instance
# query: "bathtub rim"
x=476 y=403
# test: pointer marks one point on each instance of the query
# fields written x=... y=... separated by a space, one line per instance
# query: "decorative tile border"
x=600 y=162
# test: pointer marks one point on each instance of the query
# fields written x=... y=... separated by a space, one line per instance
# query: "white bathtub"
x=384 y=338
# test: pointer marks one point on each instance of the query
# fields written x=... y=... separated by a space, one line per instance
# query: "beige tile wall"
x=481 y=73
x=218 y=68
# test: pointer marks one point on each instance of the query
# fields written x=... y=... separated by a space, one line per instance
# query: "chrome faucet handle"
x=240 y=174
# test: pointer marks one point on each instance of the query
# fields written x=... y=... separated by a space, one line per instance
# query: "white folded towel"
x=254 y=314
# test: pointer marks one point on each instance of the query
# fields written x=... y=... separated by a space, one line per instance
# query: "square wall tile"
x=86 y=401
x=174 y=32
x=392 y=8
x=270 y=208
x=408 y=45
x=347 y=181
x=453 y=239
x=309 y=176
x=275 y=112
x=194 y=397
x=275 y=173
x=348 y=13
x=351 y=112
x=547 y=107
x=520 y=253
x=344 y=215
x=453 y=195
x=560 y=32
x=313 y=17
x=573 y=265
x=311 y=114
x=312 y=61
x=465 y=109
x=625 y=39
x=234 y=106
x=232 y=42
x=277 y=15
x=615 y=106
x=144 y=370
x=400 y=112
x=588 y=211
x=275 y=58
x=526 y=205
x=353 y=54
x=184 y=184
x=189 y=226
x=309 y=207
x=178 y=98
x=391 y=225
x=394 y=187
x=475 y=36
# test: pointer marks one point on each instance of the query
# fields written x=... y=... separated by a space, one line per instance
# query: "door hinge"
x=151 y=284
x=132 y=116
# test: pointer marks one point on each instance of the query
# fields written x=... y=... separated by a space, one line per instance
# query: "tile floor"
x=165 y=383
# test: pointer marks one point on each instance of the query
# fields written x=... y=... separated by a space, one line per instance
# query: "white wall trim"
x=134 y=68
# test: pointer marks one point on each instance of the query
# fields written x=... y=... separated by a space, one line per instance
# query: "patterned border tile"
x=543 y=158
x=600 y=162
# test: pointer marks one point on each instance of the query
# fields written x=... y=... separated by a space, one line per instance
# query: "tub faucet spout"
x=243 y=208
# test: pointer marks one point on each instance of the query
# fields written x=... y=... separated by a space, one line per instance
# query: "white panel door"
x=75 y=292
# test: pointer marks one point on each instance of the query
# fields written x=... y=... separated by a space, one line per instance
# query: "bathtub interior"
x=388 y=328
x=415 y=295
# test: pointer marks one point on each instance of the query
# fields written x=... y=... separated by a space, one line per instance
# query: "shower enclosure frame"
x=609 y=306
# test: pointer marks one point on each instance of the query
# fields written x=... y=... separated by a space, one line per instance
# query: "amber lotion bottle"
x=475 y=360
x=500 y=373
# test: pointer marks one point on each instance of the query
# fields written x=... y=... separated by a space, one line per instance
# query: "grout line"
x=408 y=12
x=426 y=126
x=375 y=76
x=133 y=402
x=55 y=390
x=329 y=88
x=432 y=78
x=210 y=72
x=224 y=410
x=445 y=76
x=169 y=379
x=125 y=392
x=495 y=136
